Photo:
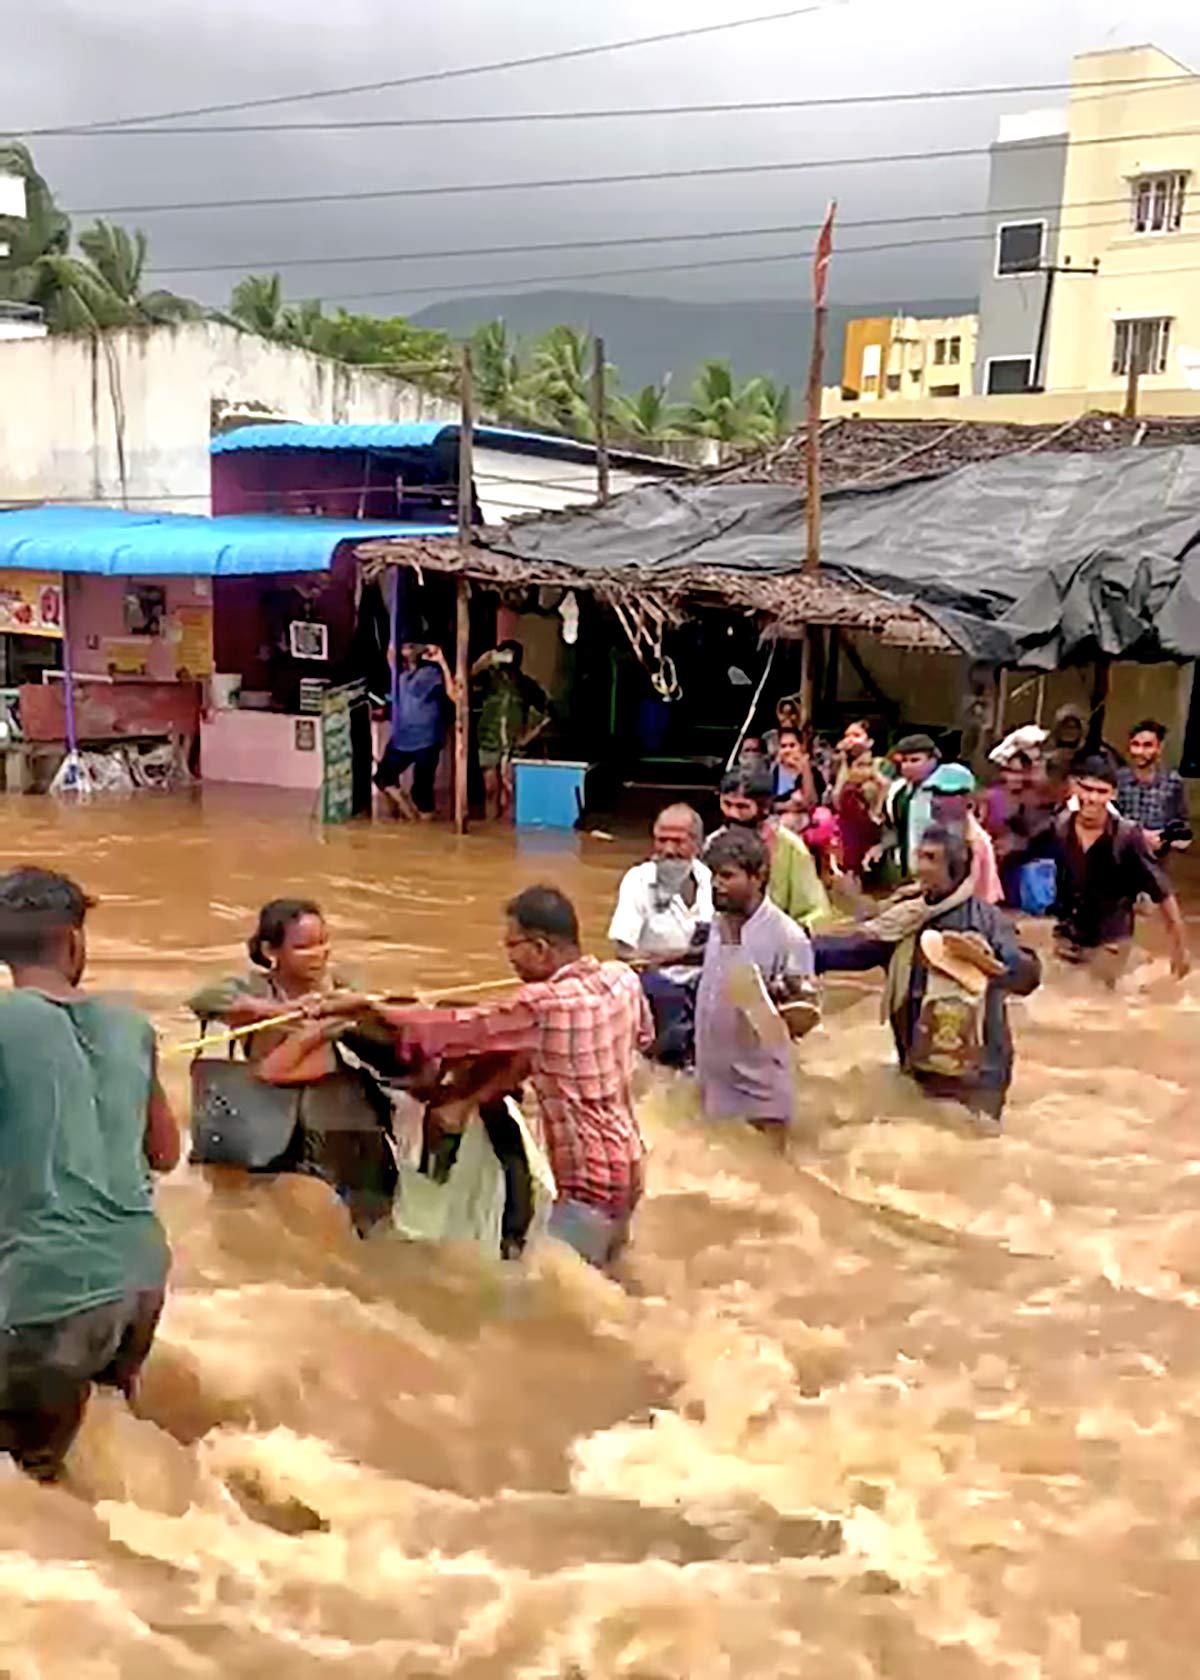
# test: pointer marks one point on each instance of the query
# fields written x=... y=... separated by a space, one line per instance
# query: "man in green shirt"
x=83 y=1258
x=512 y=710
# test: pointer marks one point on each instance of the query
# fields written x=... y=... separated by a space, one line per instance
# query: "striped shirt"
x=581 y=1029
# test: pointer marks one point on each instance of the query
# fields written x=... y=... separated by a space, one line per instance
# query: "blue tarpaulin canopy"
x=414 y=435
x=115 y=543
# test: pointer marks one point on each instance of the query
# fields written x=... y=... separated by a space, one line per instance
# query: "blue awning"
x=415 y=435
x=114 y=543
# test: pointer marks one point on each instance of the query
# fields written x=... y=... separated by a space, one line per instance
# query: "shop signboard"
x=31 y=603
x=337 y=751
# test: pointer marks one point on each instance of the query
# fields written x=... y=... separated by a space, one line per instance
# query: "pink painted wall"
x=96 y=609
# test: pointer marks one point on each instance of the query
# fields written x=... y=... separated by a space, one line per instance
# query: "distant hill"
x=646 y=337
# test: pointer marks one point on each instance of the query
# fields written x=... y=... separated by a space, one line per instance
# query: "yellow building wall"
x=873 y=330
x=1113 y=137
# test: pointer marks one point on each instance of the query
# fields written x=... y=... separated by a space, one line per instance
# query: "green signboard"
x=337 y=751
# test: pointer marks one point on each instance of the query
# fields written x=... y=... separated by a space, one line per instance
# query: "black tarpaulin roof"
x=1031 y=559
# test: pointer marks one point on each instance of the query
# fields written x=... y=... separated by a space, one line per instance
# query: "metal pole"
x=1135 y=367
x=600 y=423
x=1038 y=382
x=462 y=673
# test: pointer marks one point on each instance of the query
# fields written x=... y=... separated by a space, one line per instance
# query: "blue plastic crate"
x=549 y=792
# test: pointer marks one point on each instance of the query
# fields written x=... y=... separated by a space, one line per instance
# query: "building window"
x=1157 y=203
x=939 y=352
x=1019 y=247
x=893 y=381
x=915 y=375
x=944 y=391
x=1147 y=342
x=1006 y=375
x=954 y=350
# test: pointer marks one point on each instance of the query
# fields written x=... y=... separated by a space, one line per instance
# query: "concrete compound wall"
x=65 y=400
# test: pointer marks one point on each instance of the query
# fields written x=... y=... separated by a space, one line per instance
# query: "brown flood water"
x=906 y=1405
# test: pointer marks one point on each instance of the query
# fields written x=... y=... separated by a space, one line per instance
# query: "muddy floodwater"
x=907 y=1404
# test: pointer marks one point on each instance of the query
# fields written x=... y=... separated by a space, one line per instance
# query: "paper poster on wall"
x=145 y=609
x=31 y=603
x=125 y=656
x=192 y=634
x=307 y=640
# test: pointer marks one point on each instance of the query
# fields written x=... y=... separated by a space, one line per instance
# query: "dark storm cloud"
x=100 y=59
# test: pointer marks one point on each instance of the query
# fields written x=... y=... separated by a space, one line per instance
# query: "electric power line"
x=454 y=74
x=493 y=118
x=502 y=283
x=352 y=259
x=739 y=107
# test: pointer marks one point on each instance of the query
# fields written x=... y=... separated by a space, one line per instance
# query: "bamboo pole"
x=462 y=673
x=600 y=423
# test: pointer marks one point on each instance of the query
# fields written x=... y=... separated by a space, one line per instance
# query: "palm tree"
x=775 y=402
x=118 y=258
x=648 y=416
x=257 y=304
x=722 y=409
x=37 y=267
x=500 y=382
x=560 y=378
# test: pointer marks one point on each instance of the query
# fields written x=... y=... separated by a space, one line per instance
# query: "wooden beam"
x=462 y=670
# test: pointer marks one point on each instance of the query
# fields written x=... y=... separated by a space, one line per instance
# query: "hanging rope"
x=645 y=623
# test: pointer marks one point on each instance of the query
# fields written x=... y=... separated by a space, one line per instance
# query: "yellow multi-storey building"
x=1130 y=213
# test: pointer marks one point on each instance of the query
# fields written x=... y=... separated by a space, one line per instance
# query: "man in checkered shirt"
x=574 y=1029
x=1150 y=794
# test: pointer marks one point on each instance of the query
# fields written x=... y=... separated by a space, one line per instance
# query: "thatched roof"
x=855 y=452
x=878 y=452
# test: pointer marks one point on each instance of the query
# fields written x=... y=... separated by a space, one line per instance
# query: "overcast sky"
x=85 y=60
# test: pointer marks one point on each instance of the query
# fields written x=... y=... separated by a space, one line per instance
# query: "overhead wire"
x=159 y=125
x=243 y=265
x=457 y=72
x=738 y=107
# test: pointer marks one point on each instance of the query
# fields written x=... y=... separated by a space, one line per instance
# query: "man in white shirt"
x=662 y=906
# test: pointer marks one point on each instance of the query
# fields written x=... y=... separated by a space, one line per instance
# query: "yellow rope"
x=230 y=1035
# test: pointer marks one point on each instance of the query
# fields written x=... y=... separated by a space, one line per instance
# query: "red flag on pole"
x=822 y=255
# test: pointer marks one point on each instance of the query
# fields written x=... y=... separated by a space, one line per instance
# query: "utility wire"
x=776 y=231
x=503 y=283
x=739 y=107
x=141 y=125
x=423 y=78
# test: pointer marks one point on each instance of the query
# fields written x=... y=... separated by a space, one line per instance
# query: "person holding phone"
x=513 y=709
x=425 y=691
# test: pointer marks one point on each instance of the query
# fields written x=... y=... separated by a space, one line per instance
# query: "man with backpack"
x=1104 y=866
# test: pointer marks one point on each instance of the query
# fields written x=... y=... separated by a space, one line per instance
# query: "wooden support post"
x=812 y=450
x=808 y=660
x=600 y=423
x=812 y=446
x=1100 y=674
x=462 y=671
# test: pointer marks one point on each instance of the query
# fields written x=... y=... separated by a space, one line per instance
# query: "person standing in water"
x=424 y=693
x=1152 y=795
x=756 y=992
x=574 y=1028
x=950 y=959
x=661 y=907
x=83 y=1121
x=513 y=709
x=1103 y=867
x=341 y=1135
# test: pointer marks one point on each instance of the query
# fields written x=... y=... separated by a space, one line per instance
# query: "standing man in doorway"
x=424 y=692
x=513 y=710
x=1104 y=867
x=1152 y=795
